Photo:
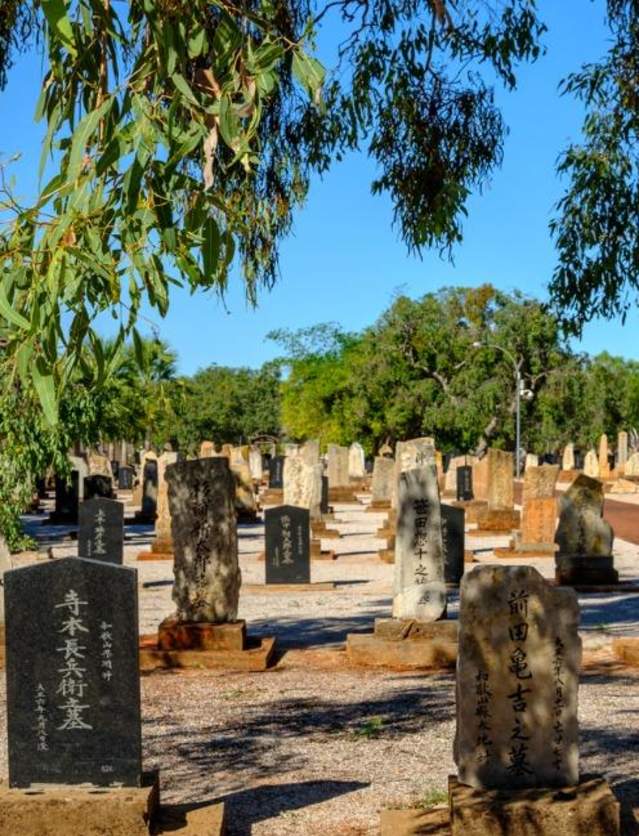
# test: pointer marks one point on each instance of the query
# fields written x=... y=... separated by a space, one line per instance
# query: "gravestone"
x=465 y=483
x=453 y=539
x=299 y=483
x=452 y=476
x=98 y=485
x=337 y=466
x=382 y=483
x=149 y=487
x=101 y=530
x=288 y=545
x=604 y=457
x=276 y=472
x=591 y=464
x=583 y=537
x=501 y=488
x=419 y=589
x=568 y=457
x=67 y=498
x=632 y=465
x=622 y=449
x=115 y=469
x=324 y=504
x=356 y=461
x=73 y=684
x=162 y=542
x=206 y=568
x=207 y=450
x=310 y=451
x=410 y=454
x=531 y=461
x=125 y=478
x=517 y=679
x=255 y=464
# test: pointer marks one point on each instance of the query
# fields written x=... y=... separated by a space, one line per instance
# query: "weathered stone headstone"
x=337 y=466
x=382 y=483
x=300 y=484
x=465 y=483
x=517 y=680
x=125 y=478
x=622 y=449
x=288 y=544
x=149 y=487
x=206 y=568
x=591 y=464
x=207 y=450
x=163 y=541
x=501 y=488
x=632 y=465
x=245 y=501
x=453 y=540
x=99 y=464
x=98 y=485
x=73 y=685
x=568 y=457
x=540 y=482
x=276 y=472
x=416 y=452
x=101 y=530
x=255 y=463
x=531 y=461
x=419 y=589
x=356 y=461
x=452 y=476
x=310 y=451
x=603 y=456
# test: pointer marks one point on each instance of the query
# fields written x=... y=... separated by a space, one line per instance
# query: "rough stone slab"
x=415 y=822
x=472 y=507
x=370 y=650
x=277 y=588
x=497 y=520
x=257 y=656
x=79 y=811
x=201 y=635
x=589 y=809
x=627 y=650
x=401 y=629
x=201 y=821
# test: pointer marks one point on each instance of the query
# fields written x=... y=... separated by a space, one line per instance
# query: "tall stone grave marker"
x=604 y=462
x=125 y=477
x=622 y=450
x=517 y=680
x=301 y=486
x=453 y=539
x=465 y=483
x=288 y=543
x=382 y=483
x=206 y=568
x=583 y=537
x=501 y=488
x=632 y=465
x=419 y=589
x=416 y=452
x=276 y=472
x=73 y=685
x=310 y=451
x=356 y=461
x=255 y=464
x=568 y=457
x=591 y=464
x=149 y=487
x=101 y=530
x=337 y=466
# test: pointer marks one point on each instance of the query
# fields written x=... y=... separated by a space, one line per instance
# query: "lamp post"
x=518 y=389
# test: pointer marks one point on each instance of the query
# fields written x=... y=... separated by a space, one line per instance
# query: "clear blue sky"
x=344 y=262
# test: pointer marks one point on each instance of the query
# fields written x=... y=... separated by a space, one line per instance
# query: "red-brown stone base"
x=472 y=508
x=523 y=554
x=402 y=644
x=415 y=822
x=278 y=588
x=201 y=635
x=496 y=521
x=387 y=555
x=318 y=553
x=152 y=555
x=80 y=811
x=379 y=507
x=199 y=821
x=626 y=650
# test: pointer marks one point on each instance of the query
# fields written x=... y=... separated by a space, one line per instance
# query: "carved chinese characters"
x=419 y=587
x=517 y=679
x=288 y=558
x=101 y=530
x=207 y=573
x=73 y=696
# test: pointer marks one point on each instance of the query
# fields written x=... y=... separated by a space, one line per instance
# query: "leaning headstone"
x=356 y=461
x=288 y=542
x=453 y=540
x=419 y=589
x=583 y=537
x=206 y=568
x=591 y=464
x=101 y=530
x=73 y=684
x=276 y=472
x=98 y=485
x=517 y=680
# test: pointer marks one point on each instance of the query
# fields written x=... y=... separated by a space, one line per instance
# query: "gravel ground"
x=314 y=747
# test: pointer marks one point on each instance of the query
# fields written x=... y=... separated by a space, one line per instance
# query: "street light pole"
x=518 y=383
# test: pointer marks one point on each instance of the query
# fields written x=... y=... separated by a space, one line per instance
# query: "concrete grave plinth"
x=205 y=645
x=160 y=550
x=278 y=588
x=496 y=521
x=472 y=508
x=378 y=506
x=318 y=553
x=588 y=808
x=52 y=810
x=343 y=493
x=320 y=531
x=405 y=644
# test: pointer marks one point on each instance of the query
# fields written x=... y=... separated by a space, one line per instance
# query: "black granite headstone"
x=276 y=472
x=125 y=478
x=324 y=501
x=453 y=537
x=73 y=682
x=67 y=498
x=288 y=545
x=465 y=483
x=101 y=530
x=115 y=469
x=149 y=489
x=98 y=485
x=579 y=460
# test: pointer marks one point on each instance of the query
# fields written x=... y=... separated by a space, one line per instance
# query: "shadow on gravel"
x=248 y=807
x=298 y=633
x=608 y=611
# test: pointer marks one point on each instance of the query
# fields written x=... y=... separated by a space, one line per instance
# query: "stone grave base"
x=378 y=506
x=469 y=556
x=585 y=570
x=320 y=531
x=589 y=808
x=415 y=822
x=199 y=821
x=318 y=553
x=404 y=644
x=626 y=650
x=273 y=496
x=490 y=522
x=161 y=549
x=277 y=588
x=387 y=555
x=568 y=475
x=345 y=493
x=472 y=507
x=526 y=550
x=199 y=644
x=80 y=811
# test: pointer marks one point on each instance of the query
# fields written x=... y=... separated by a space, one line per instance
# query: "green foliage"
x=595 y=229
x=370 y=728
x=433 y=798
x=417 y=372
